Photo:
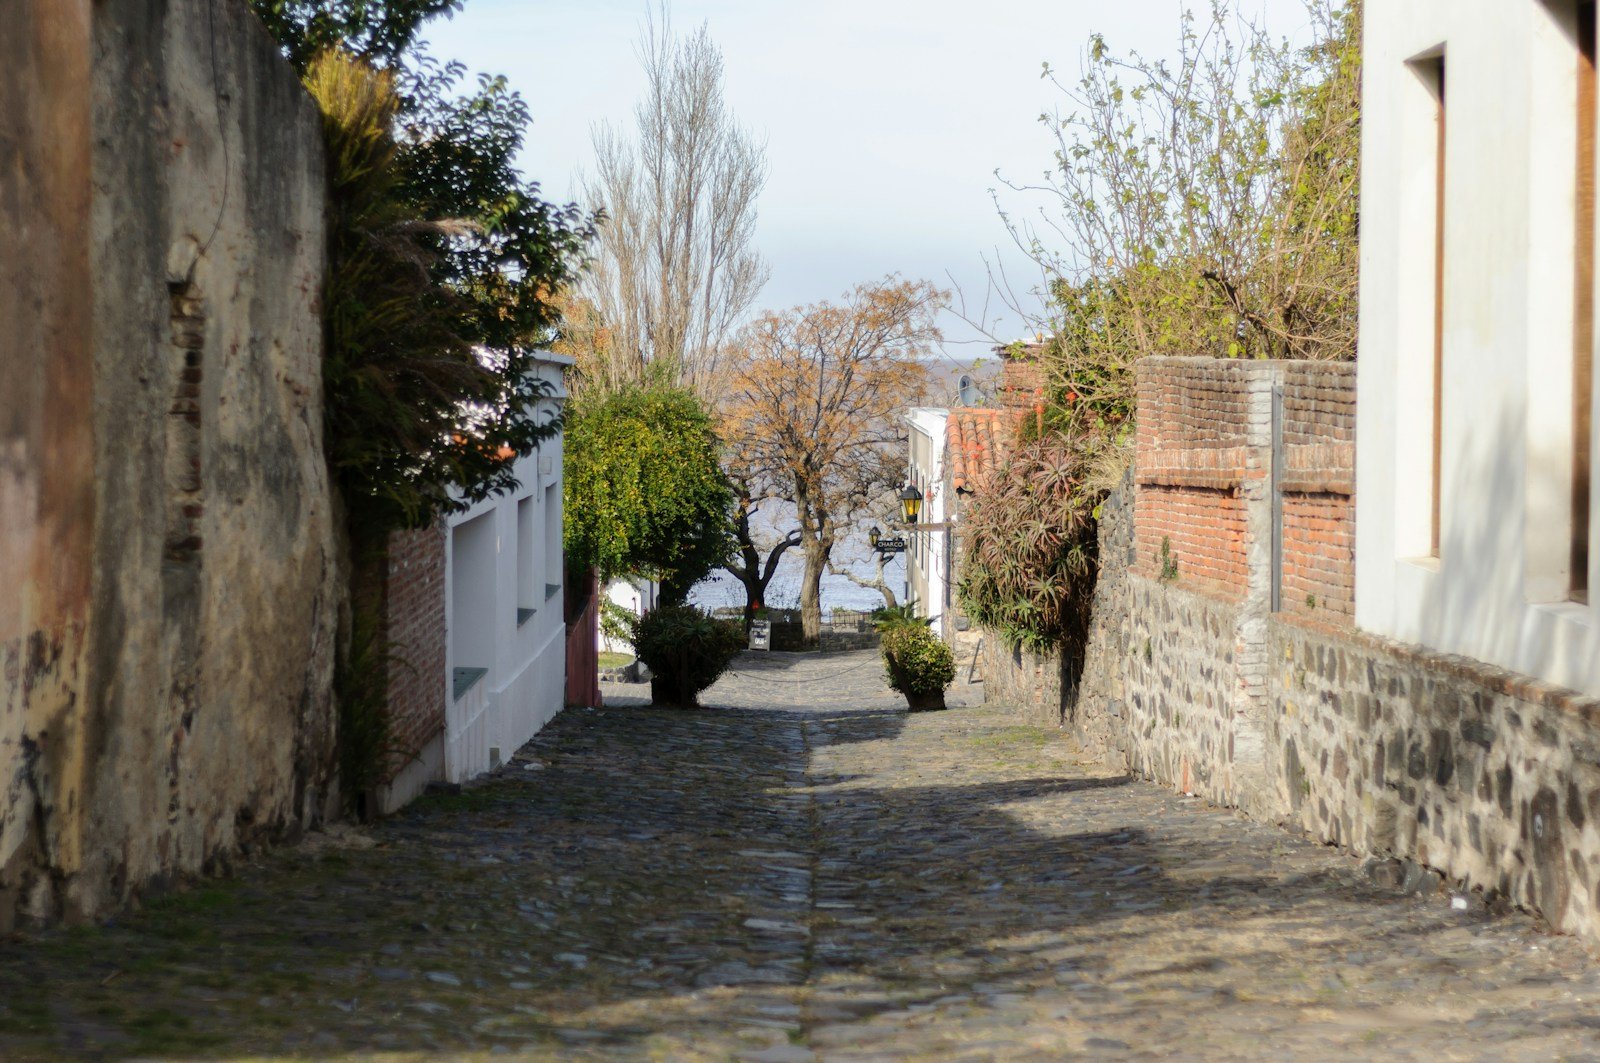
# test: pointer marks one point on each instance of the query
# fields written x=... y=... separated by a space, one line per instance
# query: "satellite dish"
x=969 y=391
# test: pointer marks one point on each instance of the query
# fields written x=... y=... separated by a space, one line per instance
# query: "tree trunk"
x=750 y=570
x=811 y=592
x=884 y=589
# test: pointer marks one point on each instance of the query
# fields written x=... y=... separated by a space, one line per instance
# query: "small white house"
x=1476 y=453
x=506 y=654
x=637 y=596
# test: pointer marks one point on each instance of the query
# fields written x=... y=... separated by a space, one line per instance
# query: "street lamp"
x=910 y=503
x=873 y=536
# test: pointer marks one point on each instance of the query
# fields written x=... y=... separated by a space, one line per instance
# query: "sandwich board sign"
x=761 y=634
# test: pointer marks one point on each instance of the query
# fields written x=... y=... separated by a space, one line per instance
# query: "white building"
x=506 y=656
x=1475 y=459
x=637 y=596
x=928 y=554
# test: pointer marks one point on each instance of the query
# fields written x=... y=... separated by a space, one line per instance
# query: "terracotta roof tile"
x=976 y=441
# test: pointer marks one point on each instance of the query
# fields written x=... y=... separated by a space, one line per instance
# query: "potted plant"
x=686 y=651
x=917 y=662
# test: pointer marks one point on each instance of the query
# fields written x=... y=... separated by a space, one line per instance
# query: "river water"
x=722 y=589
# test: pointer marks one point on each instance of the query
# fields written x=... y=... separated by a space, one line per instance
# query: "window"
x=1583 y=333
x=473 y=547
x=528 y=591
x=1420 y=468
x=1432 y=72
x=552 y=541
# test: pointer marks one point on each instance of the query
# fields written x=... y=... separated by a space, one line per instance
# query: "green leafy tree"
x=445 y=261
x=444 y=264
x=381 y=32
x=645 y=494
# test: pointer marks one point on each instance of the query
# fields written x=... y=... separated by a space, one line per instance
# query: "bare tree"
x=879 y=582
x=758 y=555
x=675 y=268
x=815 y=412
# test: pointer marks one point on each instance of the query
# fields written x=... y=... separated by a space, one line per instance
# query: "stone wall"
x=1182 y=714
x=1095 y=713
x=1176 y=680
x=1037 y=685
x=177 y=706
x=1490 y=777
x=1032 y=684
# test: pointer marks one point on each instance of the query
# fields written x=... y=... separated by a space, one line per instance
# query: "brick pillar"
x=1021 y=378
x=1254 y=732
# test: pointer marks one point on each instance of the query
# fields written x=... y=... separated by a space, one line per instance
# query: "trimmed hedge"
x=686 y=651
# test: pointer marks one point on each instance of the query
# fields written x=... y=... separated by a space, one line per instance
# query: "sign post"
x=761 y=634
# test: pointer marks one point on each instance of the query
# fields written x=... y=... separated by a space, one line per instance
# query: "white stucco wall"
x=1495 y=592
x=926 y=564
x=500 y=564
x=638 y=596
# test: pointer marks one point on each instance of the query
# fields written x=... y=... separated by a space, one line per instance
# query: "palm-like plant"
x=1030 y=564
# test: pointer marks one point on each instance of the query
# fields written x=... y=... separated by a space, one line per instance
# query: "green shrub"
x=918 y=663
x=685 y=650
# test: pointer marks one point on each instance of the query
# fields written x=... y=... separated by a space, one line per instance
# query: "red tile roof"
x=976 y=441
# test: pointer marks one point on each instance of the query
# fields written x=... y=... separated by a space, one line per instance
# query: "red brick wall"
x=1193 y=460
x=1203 y=530
x=1193 y=404
x=1022 y=378
x=415 y=618
x=1204 y=451
x=1318 y=482
x=1319 y=556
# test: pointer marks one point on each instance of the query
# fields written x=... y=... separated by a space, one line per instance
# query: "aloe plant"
x=1030 y=563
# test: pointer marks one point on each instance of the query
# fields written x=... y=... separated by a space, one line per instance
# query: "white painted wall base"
x=413 y=778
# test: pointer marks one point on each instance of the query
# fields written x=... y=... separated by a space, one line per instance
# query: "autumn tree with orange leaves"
x=814 y=414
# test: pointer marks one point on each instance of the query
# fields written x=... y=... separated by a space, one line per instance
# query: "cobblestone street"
x=803 y=872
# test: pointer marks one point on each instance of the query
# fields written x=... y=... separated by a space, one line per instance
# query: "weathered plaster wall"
x=217 y=566
x=46 y=443
x=168 y=434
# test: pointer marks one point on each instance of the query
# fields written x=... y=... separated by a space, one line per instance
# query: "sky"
x=884 y=120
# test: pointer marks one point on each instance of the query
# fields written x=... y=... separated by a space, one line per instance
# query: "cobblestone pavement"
x=803 y=873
